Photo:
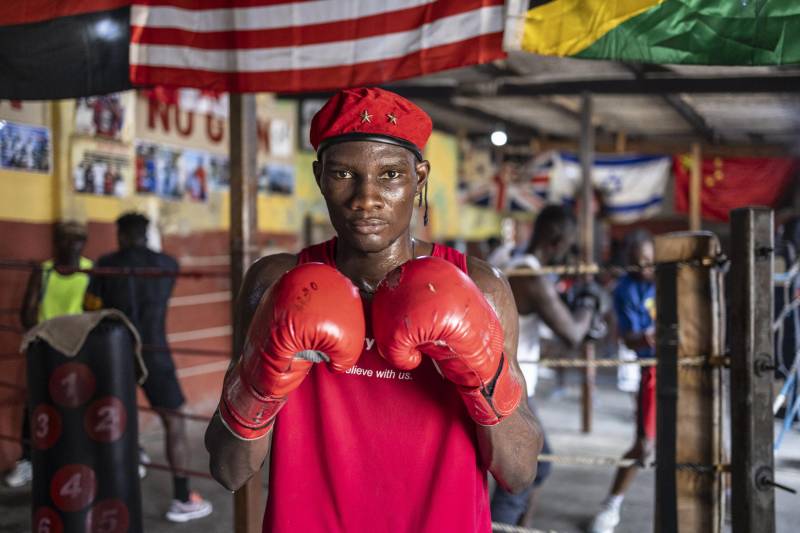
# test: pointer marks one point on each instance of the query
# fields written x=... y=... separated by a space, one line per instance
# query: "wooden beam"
x=695 y=188
x=677 y=102
x=654 y=84
x=586 y=220
x=673 y=145
x=752 y=366
x=248 y=506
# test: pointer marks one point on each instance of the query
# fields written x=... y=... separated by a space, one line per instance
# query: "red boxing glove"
x=430 y=306
x=312 y=314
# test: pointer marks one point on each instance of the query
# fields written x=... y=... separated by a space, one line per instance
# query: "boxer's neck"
x=367 y=269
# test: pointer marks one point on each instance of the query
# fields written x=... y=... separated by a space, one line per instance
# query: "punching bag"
x=84 y=441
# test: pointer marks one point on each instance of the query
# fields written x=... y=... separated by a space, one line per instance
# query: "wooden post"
x=695 y=182
x=689 y=325
x=752 y=365
x=586 y=221
x=667 y=397
x=248 y=503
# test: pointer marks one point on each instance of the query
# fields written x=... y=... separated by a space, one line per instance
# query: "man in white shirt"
x=554 y=233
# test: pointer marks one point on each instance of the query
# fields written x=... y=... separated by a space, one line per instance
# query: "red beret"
x=370 y=114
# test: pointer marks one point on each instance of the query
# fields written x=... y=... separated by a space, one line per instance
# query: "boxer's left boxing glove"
x=312 y=314
x=429 y=306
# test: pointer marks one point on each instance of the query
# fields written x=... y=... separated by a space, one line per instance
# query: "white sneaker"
x=195 y=508
x=606 y=520
x=144 y=460
x=20 y=475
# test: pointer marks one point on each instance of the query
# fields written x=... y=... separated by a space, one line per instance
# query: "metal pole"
x=695 y=181
x=247 y=500
x=667 y=397
x=586 y=219
x=752 y=365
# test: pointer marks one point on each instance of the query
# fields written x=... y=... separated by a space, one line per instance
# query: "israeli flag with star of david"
x=631 y=186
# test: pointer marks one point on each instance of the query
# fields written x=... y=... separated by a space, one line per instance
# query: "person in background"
x=52 y=291
x=144 y=301
x=554 y=234
x=635 y=307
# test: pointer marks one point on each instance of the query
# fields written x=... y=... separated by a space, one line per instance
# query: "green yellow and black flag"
x=706 y=32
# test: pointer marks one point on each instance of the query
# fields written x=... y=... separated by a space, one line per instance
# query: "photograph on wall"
x=196 y=170
x=158 y=170
x=308 y=108
x=100 y=169
x=219 y=173
x=102 y=116
x=24 y=147
x=276 y=178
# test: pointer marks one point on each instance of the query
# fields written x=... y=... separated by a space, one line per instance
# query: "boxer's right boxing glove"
x=312 y=314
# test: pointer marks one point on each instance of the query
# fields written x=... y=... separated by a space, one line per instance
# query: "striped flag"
x=290 y=46
x=631 y=186
x=709 y=32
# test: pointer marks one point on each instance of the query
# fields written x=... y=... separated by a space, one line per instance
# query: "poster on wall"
x=24 y=147
x=280 y=138
x=276 y=178
x=218 y=172
x=101 y=116
x=100 y=168
x=308 y=108
x=177 y=173
x=158 y=171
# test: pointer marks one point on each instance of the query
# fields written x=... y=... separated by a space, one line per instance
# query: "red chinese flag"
x=728 y=183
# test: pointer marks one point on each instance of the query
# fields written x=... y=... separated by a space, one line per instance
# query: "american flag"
x=311 y=45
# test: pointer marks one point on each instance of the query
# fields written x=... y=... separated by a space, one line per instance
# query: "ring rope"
x=698 y=361
x=500 y=527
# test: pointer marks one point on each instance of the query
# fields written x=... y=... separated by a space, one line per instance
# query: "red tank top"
x=375 y=450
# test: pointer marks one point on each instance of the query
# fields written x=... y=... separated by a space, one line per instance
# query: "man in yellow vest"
x=52 y=291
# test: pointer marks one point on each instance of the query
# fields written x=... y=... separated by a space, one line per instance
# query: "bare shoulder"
x=488 y=278
x=263 y=273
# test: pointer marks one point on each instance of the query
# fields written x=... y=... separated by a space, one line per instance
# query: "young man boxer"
x=384 y=393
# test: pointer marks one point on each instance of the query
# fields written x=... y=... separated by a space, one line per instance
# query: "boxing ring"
x=711 y=374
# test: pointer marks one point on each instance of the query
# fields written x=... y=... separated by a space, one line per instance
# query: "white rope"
x=594 y=268
x=587 y=460
x=582 y=363
x=508 y=528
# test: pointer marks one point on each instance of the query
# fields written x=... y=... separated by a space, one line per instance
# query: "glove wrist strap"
x=246 y=413
x=490 y=404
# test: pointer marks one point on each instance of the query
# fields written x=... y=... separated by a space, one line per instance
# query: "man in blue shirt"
x=635 y=307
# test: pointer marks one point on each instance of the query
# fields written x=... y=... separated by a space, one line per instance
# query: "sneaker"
x=20 y=475
x=144 y=460
x=606 y=520
x=195 y=508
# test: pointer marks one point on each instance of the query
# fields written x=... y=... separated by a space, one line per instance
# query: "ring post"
x=752 y=367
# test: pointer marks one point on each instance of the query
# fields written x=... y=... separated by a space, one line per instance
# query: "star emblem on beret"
x=365 y=117
x=391 y=118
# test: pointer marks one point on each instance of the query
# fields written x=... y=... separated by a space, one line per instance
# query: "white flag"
x=631 y=186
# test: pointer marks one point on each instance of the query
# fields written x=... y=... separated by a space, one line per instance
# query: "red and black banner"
x=53 y=49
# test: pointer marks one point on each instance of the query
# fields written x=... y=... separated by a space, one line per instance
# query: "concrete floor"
x=568 y=499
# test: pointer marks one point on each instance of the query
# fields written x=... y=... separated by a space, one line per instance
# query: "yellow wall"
x=44 y=198
x=450 y=219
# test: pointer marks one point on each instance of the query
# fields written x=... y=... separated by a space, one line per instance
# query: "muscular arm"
x=509 y=449
x=538 y=295
x=234 y=461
